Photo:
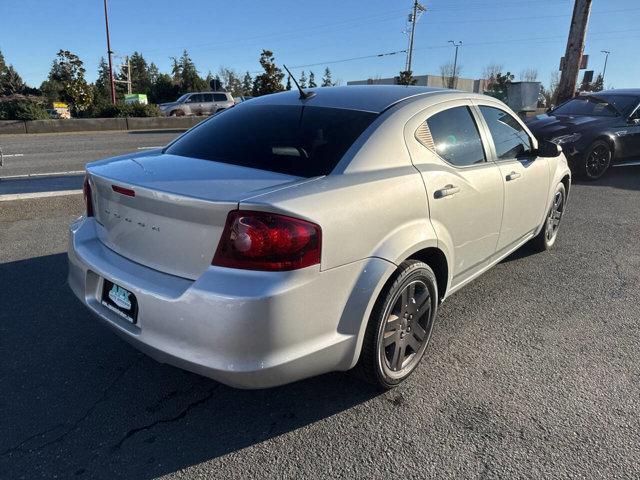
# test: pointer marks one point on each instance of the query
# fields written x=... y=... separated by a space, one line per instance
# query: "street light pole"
x=604 y=70
x=454 y=82
x=109 y=54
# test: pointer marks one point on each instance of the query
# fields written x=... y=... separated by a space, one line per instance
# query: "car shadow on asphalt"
x=79 y=401
x=624 y=177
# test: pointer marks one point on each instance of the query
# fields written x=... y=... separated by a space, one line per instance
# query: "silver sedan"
x=295 y=235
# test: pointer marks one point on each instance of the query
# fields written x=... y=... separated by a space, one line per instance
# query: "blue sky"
x=519 y=34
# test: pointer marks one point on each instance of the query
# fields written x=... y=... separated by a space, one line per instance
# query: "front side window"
x=290 y=139
x=456 y=137
x=195 y=98
x=509 y=137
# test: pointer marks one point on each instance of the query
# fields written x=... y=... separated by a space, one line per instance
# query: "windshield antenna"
x=303 y=95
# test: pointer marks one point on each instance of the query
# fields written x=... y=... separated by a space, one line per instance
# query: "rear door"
x=208 y=107
x=221 y=101
x=464 y=189
x=525 y=176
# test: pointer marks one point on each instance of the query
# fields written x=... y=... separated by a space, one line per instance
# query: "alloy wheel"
x=598 y=161
x=406 y=329
x=553 y=222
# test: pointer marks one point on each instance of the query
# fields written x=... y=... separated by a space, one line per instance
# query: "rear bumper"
x=243 y=328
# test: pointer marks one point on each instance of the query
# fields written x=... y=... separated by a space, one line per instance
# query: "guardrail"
x=97 y=124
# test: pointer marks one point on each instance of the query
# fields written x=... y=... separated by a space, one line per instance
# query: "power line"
x=532 y=40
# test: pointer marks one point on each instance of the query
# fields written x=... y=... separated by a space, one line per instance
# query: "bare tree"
x=449 y=77
x=551 y=93
x=231 y=81
x=490 y=73
x=529 y=75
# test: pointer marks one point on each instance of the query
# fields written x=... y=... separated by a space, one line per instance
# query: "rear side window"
x=219 y=97
x=207 y=97
x=290 y=139
x=456 y=137
x=509 y=137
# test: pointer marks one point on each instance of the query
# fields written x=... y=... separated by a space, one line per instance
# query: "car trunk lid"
x=168 y=212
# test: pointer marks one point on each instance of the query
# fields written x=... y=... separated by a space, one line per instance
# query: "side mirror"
x=549 y=149
x=634 y=120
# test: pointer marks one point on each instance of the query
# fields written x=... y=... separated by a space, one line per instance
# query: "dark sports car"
x=595 y=130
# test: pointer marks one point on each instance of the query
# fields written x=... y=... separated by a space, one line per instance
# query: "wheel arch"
x=437 y=260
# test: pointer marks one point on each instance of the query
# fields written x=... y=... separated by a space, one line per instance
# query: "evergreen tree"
x=326 y=79
x=406 y=78
x=186 y=75
x=103 y=84
x=247 y=82
x=153 y=73
x=271 y=80
x=140 y=78
x=11 y=82
x=288 y=86
x=164 y=89
x=312 y=80
x=303 y=80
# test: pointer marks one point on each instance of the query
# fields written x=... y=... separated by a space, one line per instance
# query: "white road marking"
x=150 y=148
x=7 y=155
x=47 y=174
x=29 y=196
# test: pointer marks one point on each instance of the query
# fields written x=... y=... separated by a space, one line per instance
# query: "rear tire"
x=546 y=239
x=400 y=326
x=596 y=161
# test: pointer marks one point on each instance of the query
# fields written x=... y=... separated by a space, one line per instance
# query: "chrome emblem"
x=155 y=228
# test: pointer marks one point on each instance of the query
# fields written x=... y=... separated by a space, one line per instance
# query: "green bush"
x=22 y=110
x=125 y=110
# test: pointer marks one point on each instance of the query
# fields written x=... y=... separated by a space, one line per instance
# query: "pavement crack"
x=70 y=427
x=179 y=416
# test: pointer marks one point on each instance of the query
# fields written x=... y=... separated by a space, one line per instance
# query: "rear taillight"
x=267 y=241
x=86 y=191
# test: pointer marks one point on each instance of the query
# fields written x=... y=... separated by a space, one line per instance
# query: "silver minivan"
x=198 y=103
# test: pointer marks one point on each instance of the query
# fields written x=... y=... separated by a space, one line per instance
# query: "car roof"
x=619 y=91
x=369 y=98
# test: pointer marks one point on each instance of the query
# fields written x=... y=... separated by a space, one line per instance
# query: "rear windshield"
x=290 y=139
x=598 y=105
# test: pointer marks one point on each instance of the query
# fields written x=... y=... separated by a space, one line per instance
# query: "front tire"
x=546 y=239
x=400 y=326
x=596 y=161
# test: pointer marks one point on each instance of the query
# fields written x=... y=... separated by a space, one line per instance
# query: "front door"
x=464 y=190
x=525 y=176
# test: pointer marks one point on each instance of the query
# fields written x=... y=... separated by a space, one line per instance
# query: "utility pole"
x=128 y=75
x=604 y=70
x=413 y=18
x=454 y=82
x=574 y=51
x=109 y=54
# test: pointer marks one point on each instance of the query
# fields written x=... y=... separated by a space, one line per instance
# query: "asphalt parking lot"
x=533 y=372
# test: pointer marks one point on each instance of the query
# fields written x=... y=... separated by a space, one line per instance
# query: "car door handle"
x=513 y=176
x=446 y=191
